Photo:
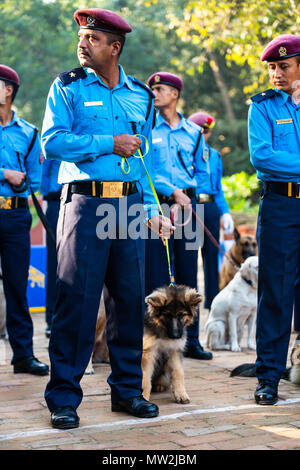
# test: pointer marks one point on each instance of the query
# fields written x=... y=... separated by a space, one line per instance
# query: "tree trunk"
x=221 y=85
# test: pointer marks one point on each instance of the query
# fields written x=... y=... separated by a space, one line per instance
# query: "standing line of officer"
x=177 y=151
x=20 y=170
x=210 y=193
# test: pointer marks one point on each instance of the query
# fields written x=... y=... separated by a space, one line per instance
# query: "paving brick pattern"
x=222 y=414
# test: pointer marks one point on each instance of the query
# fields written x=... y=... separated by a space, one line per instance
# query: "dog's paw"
x=252 y=346
x=89 y=371
x=182 y=398
x=159 y=388
x=236 y=348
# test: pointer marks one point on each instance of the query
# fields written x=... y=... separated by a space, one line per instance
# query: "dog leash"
x=141 y=157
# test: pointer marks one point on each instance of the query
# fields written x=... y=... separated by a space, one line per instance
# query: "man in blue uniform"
x=177 y=150
x=51 y=191
x=92 y=117
x=274 y=142
x=20 y=169
x=210 y=193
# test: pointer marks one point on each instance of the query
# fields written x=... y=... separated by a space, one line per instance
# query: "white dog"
x=233 y=308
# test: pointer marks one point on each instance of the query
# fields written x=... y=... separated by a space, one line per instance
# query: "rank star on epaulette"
x=72 y=74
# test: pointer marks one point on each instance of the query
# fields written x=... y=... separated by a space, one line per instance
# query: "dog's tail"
x=249 y=370
x=244 y=370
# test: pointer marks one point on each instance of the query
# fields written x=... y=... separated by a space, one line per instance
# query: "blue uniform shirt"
x=209 y=177
x=15 y=138
x=80 y=121
x=50 y=177
x=274 y=137
x=167 y=142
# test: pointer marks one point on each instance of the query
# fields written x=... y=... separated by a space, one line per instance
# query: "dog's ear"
x=156 y=299
x=192 y=298
x=237 y=234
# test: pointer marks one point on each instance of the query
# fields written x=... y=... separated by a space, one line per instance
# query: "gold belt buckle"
x=204 y=197
x=298 y=193
x=112 y=189
x=5 y=202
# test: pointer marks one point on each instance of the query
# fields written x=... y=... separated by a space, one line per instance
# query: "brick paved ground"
x=222 y=414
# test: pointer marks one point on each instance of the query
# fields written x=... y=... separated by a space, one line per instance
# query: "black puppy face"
x=173 y=308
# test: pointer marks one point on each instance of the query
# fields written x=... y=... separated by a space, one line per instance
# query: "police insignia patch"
x=205 y=154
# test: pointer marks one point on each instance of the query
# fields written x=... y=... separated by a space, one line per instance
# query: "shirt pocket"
x=159 y=153
x=284 y=137
x=92 y=118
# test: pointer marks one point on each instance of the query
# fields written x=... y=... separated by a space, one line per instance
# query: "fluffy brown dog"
x=244 y=246
x=170 y=310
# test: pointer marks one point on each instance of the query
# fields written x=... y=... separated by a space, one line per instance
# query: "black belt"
x=288 y=189
x=105 y=189
x=14 y=202
x=54 y=196
x=190 y=192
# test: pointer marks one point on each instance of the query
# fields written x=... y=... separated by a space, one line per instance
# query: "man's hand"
x=181 y=198
x=161 y=225
x=126 y=145
x=16 y=178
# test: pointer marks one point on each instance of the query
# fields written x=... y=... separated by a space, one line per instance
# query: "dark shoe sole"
x=117 y=407
x=65 y=426
x=41 y=373
x=261 y=401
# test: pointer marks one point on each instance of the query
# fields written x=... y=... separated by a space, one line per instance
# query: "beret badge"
x=282 y=51
x=91 y=21
x=157 y=78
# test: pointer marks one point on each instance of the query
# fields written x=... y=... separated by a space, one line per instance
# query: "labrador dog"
x=244 y=246
x=233 y=308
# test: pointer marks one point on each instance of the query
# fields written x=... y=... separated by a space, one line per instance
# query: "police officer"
x=210 y=193
x=92 y=117
x=51 y=191
x=20 y=169
x=274 y=141
x=177 y=149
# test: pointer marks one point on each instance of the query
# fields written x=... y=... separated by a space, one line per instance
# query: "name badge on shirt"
x=205 y=154
x=93 y=103
x=156 y=141
x=284 y=121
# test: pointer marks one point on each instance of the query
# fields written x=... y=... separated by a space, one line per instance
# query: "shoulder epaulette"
x=264 y=95
x=138 y=82
x=72 y=75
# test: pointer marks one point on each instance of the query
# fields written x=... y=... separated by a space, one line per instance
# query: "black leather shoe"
x=31 y=365
x=64 y=417
x=266 y=392
x=197 y=352
x=136 y=406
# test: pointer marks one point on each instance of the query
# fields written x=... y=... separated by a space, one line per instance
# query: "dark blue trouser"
x=185 y=267
x=85 y=262
x=210 y=253
x=15 y=255
x=52 y=213
x=278 y=236
x=297 y=303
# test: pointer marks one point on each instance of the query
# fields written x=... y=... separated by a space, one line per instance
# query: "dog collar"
x=247 y=280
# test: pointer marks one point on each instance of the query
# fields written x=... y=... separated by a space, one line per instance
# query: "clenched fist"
x=15 y=178
x=126 y=145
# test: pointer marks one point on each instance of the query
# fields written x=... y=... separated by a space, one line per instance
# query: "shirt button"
x=116 y=117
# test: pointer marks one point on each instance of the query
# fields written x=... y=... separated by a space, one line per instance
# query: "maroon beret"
x=6 y=73
x=165 y=78
x=281 y=47
x=204 y=120
x=102 y=20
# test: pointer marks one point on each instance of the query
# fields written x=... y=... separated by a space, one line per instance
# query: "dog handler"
x=177 y=148
x=92 y=115
x=210 y=193
x=274 y=142
x=20 y=168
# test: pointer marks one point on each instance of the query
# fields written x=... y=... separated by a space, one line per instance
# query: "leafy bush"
x=242 y=192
